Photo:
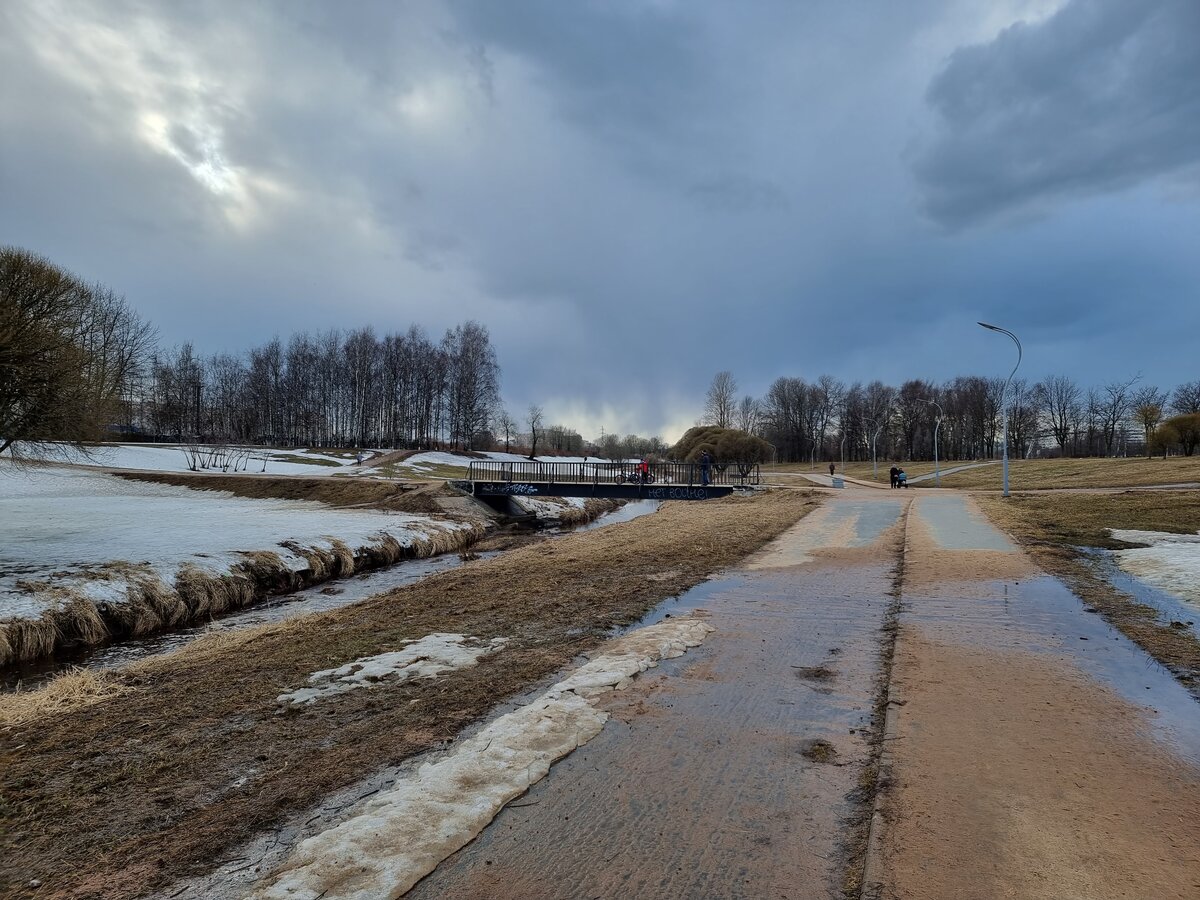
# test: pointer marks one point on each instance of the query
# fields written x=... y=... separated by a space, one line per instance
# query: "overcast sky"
x=630 y=195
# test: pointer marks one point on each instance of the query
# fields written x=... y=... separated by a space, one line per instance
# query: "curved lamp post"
x=937 y=471
x=874 y=464
x=1004 y=394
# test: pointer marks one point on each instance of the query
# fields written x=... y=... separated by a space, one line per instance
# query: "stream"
x=318 y=598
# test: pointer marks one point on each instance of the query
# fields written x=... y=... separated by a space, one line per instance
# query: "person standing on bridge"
x=705 y=467
x=644 y=470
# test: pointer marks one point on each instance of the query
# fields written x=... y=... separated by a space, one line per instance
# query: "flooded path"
x=724 y=773
x=1035 y=751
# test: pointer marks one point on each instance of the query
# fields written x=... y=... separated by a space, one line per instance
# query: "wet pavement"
x=1034 y=750
x=724 y=773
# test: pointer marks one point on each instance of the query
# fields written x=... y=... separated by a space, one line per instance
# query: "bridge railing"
x=530 y=472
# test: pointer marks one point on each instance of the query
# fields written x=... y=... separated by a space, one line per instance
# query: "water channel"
x=318 y=598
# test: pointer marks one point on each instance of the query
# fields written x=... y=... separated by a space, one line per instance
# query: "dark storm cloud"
x=1102 y=95
x=630 y=195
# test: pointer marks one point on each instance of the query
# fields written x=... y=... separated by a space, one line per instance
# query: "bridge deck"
x=623 y=480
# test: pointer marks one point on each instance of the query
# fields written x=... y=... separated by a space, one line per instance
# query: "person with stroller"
x=893 y=473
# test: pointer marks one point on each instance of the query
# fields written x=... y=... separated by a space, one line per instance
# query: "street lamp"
x=874 y=464
x=843 y=452
x=937 y=471
x=1004 y=394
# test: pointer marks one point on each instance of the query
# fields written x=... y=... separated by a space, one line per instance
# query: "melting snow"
x=1171 y=562
x=62 y=522
x=431 y=655
x=399 y=837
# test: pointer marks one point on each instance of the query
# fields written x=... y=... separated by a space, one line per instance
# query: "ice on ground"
x=1171 y=562
x=424 y=658
x=67 y=525
x=171 y=458
x=399 y=836
x=432 y=458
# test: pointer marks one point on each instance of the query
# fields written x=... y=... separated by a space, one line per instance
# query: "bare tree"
x=1186 y=398
x=534 y=419
x=1148 y=404
x=1059 y=396
x=749 y=415
x=508 y=427
x=1114 y=410
x=720 y=403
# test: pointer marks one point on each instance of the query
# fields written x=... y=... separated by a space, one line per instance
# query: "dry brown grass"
x=1052 y=527
x=1050 y=474
x=67 y=692
x=194 y=757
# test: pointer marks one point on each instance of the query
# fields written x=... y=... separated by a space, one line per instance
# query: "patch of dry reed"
x=78 y=620
x=69 y=691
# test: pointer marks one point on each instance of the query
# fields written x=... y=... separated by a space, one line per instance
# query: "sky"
x=631 y=196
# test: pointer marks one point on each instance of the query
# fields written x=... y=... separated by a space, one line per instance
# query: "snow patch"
x=424 y=658
x=1171 y=562
x=398 y=837
x=65 y=525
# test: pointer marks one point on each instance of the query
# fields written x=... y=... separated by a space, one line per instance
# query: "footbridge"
x=619 y=480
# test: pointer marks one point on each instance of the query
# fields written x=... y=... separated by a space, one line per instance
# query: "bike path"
x=726 y=773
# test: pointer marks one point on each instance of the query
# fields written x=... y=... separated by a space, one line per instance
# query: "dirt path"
x=1036 y=753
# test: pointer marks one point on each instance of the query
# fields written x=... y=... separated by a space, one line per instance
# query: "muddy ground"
x=191 y=756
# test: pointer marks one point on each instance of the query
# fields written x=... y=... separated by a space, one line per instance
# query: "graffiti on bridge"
x=677 y=493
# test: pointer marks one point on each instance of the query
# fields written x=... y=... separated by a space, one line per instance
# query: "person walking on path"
x=832 y=469
x=894 y=472
x=705 y=467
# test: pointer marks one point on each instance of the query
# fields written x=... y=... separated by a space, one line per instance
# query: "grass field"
x=1046 y=474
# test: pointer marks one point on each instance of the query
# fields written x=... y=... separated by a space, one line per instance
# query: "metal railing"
x=691 y=474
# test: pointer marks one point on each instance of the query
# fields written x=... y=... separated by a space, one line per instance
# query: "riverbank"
x=189 y=754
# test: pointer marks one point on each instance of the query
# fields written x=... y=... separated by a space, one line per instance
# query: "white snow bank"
x=57 y=524
x=399 y=837
x=425 y=658
x=172 y=458
x=549 y=507
x=1171 y=562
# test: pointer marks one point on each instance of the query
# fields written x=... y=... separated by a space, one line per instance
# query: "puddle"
x=1170 y=563
x=1170 y=607
x=1041 y=615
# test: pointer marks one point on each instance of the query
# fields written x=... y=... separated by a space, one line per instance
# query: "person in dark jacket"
x=894 y=473
x=705 y=467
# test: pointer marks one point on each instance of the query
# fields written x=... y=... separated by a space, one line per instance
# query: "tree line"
x=827 y=419
x=333 y=389
x=78 y=364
